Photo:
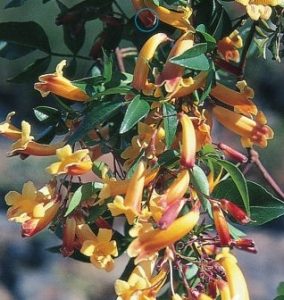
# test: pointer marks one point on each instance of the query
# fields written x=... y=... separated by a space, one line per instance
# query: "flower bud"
x=236 y=212
x=232 y=153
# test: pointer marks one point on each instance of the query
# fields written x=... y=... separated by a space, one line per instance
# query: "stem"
x=119 y=58
x=70 y=55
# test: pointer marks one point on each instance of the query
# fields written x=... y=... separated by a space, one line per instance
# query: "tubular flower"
x=224 y=289
x=259 y=9
x=141 y=284
x=251 y=131
x=236 y=212
x=141 y=71
x=69 y=235
x=171 y=74
x=8 y=130
x=57 y=84
x=178 y=20
x=132 y=204
x=147 y=243
x=149 y=138
x=76 y=163
x=221 y=225
x=34 y=209
x=114 y=187
x=188 y=144
x=227 y=47
x=204 y=297
x=25 y=144
x=232 y=153
x=100 y=248
x=239 y=100
x=237 y=283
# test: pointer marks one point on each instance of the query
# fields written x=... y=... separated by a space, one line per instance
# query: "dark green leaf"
x=199 y=62
x=280 y=289
x=99 y=168
x=96 y=211
x=208 y=38
x=29 y=34
x=200 y=183
x=32 y=71
x=46 y=114
x=239 y=180
x=264 y=206
x=108 y=62
x=210 y=82
x=83 y=193
x=98 y=114
x=170 y=123
x=136 y=110
x=128 y=270
x=121 y=90
x=15 y=3
x=279 y=298
x=13 y=51
x=168 y=157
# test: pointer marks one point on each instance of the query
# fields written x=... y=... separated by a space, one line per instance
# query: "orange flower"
x=251 y=131
x=141 y=71
x=9 y=130
x=227 y=47
x=34 y=209
x=57 y=84
x=188 y=144
x=147 y=243
x=221 y=225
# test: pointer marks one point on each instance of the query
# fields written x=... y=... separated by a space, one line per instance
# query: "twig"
x=119 y=59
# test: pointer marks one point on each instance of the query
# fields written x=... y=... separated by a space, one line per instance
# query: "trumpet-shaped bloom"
x=57 y=84
x=132 y=204
x=221 y=225
x=240 y=101
x=141 y=284
x=100 y=248
x=178 y=19
x=188 y=144
x=224 y=289
x=34 y=209
x=227 y=47
x=147 y=243
x=259 y=9
x=25 y=144
x=251 y=131
x=171 y=74
x=235 y=277
x=8 y=130
x=76 y=163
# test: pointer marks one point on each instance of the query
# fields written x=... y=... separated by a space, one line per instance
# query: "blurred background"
x=27 y=270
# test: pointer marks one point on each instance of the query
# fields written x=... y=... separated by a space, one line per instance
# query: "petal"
x=104 y=235
x=88 y=248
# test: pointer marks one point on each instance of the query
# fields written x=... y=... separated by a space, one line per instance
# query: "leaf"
x=280 y=289
x=32 y=71
x=137 y=110
x=200 y=183
x=97 y=211
x=29 y=34
x=170 y=123
x=239 y=180
x=122 y=90
x=15 y=3
x=98 y=114
x=168 y=157
x=235 y=232
x=83 y=193
x=279 y=298
x=13 y=51
x=108 y=63
x=191 y=271
x=264 y=206
x=208 y=38
x=77 y=255
x=46 y=114
x=210 y=81
x=99 y=168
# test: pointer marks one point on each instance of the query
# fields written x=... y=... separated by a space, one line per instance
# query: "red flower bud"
x=221 y=225
x=236 y=212
x=232 y=153
x=245 y=244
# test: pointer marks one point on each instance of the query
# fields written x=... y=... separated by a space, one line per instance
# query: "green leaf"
x=191 y=271
x=208 y=38
x=200 y=183
x=168 y=157
x=29 y=34
x=170 y=123
x=210 y=81
x=264 y=206
x=15 y=3
x=32 y=71
x=108 y=63
x=235 y=232
x=137 y=110
x=98 y=114
x=122 y=90
x=97 y=211
x=47 y=114
x=13 y=51
x=83 y=193
x=239 y=180
x=280 y=289
x=279 y=298
x=99 y=167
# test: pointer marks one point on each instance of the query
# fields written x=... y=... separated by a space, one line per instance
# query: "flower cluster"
x=168 y=179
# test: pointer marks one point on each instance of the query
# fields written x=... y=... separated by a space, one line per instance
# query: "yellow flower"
x=148 y=138
x=240 y=101
x=141 y=284
x=259 y=9
x=9 y=130
x=204 y=297
x=171 y=74
x=34 y=209
x=132 y=204
x=227 y=47
x=251 y=131
x=141 y=71
x=176 y=297
x=76 y=163
x=100 y=248
x=235 y=278
x=25 y=144
x=224 y=289
x=188 y=144
x=147 y=243
x=177 y=19
x=57 y=84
